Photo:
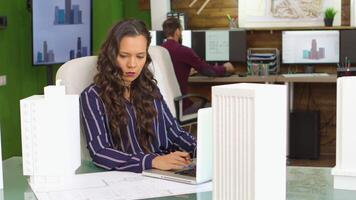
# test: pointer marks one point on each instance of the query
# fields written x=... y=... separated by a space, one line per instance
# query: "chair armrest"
x=180 y=98
x=179 y=110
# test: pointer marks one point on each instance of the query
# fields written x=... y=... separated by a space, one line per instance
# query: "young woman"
x=127 y=123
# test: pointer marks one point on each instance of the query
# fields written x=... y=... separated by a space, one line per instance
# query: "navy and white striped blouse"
x=132 y=158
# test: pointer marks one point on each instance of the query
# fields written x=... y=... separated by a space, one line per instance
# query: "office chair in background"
x=163 y=71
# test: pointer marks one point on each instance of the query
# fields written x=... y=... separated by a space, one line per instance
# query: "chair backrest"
x=163 y=72
x=76 y=75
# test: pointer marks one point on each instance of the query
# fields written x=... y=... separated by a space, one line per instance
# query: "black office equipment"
x=198 y=43
x=304 y=134
x=3 y=21
x=237 y=46
x=347 y=45
x=160 y=37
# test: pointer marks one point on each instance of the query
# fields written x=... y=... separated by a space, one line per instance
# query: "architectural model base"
x=344 y=179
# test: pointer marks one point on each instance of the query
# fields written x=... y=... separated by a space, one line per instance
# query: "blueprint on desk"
x=114 y=186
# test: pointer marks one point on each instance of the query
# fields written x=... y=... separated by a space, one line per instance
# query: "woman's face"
x=132 y=57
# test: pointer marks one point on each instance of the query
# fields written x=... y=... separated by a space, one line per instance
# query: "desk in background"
x=303 y=183
x=309 y=92
x=263 y=79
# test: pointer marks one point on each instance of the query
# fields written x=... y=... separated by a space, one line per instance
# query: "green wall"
x=131 y=10
x=23 y=79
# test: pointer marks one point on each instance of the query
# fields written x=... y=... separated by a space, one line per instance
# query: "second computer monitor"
x=220 y=45
x=310 y=47
x=157 y=38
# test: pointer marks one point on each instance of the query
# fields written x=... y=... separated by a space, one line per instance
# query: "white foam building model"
x=344 y=171
x=250 y=132
x=50 y=134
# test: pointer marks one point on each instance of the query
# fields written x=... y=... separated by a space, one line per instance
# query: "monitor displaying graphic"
x=217 y=45
x=314 y=47
x=220 y=45
x=61 y=30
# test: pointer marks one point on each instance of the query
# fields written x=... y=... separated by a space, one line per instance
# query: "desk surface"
x=303 y=183
x=262 y=79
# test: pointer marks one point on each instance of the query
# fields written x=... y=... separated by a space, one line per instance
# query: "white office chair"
x=163 y=71
x=76 y=75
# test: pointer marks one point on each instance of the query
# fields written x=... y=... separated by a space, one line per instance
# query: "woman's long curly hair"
x=142 y=90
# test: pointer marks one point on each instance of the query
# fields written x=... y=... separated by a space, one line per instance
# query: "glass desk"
x=303 y=183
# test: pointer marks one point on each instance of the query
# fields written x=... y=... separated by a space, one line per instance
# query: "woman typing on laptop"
x=127 y=123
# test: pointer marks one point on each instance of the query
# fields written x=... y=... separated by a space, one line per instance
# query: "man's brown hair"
x=170 y=25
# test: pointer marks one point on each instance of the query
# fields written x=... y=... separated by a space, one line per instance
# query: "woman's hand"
x=175 y=160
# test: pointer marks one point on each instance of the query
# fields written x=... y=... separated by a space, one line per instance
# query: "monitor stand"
x=309 y=69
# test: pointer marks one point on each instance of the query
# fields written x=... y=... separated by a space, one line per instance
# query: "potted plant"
x=329 y=15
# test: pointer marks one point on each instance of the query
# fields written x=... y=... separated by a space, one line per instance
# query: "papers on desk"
x=114 y=186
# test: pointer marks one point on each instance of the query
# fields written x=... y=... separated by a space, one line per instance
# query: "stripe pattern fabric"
x=129 y=156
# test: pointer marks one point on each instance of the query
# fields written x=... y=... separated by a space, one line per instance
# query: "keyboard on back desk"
x=305 y=75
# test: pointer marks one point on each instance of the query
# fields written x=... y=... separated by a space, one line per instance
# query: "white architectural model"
x=345 y=170
x=50 y=131
x=250 y=129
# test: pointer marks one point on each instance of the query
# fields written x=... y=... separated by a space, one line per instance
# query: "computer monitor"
x=220 y=45
x=157 y=38
x=187 y=38
x=310 y=47
x=61 y=31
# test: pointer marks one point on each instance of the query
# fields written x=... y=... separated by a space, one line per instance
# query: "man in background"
x=184 y=59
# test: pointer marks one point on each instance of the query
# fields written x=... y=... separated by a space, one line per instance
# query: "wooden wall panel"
x=214 y=14
x=345 y=13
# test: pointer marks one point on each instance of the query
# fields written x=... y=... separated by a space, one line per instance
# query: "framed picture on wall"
x=286 y=13
x=61 y=30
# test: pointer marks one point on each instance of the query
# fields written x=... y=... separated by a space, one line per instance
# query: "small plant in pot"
x=329 y=15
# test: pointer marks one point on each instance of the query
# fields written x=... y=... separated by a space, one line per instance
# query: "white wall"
x=159 y=9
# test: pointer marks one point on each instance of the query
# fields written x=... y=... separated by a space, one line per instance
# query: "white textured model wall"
x=50 y=134
x=345 y=170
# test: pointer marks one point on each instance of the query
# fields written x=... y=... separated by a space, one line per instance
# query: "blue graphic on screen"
x=81 y=51
x=47 y=55
x=314 y=53
x=71 y=14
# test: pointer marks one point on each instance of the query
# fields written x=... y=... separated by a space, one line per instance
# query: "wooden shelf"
x=300 y=28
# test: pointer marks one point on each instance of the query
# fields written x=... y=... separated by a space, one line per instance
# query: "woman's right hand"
x=175 y=160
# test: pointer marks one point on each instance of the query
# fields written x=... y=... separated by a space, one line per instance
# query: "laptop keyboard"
x=188 y=172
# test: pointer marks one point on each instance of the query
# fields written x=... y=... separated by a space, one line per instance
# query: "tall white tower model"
x=250 y=129
x=345 y=169
x=50 y=133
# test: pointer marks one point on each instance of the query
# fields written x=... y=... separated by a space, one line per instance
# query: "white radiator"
x=250 y=127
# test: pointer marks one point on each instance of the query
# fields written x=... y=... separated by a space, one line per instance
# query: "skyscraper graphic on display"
x=81 y=51
x=314 y=53
x=71 y=14
x=46 y=55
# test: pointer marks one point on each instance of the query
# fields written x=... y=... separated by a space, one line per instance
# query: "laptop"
x=202 y=167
